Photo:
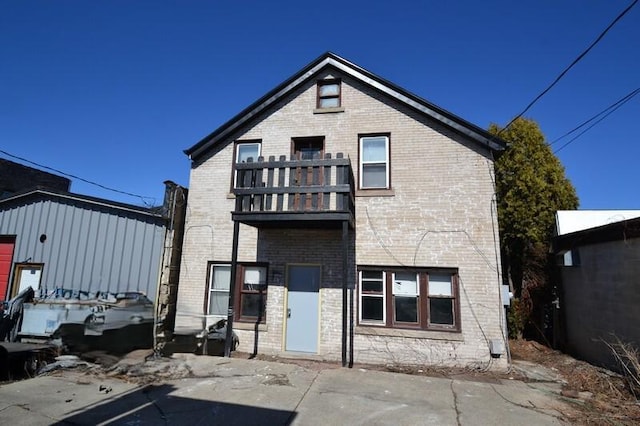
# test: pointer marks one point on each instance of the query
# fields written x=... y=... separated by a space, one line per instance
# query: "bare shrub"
x=628 y=358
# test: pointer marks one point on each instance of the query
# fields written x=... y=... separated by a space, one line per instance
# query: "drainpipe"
x=228 y=342
x=345 y=242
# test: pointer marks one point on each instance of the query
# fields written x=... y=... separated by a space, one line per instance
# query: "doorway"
x=26 y=275
x=302 y=310
x=311 y=148
x=7 y=245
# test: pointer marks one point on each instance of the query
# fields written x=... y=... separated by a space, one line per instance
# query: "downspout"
x=345 y=249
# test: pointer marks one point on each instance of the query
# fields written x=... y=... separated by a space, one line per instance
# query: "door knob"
x=289 y=313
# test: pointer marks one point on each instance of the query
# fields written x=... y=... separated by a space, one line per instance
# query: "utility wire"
x=615 y=105
x=628 y=98
x=575 y=61
x=142 y=198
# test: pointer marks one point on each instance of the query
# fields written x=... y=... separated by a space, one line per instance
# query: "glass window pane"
x=441 y=311
x=374 y=176
x=406 y=309
x=221 y=277
x=253 y=305
x=329 y=89
x=372 y=308
x=405 y=283
x=440 y=285
x=372 y=286
x=329 y=102
x=255 y=275
x=372 y=275
x=218 y=303
x=374 y=149
x=246 y=150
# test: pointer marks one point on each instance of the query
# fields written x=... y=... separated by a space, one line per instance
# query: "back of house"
x=360 y=221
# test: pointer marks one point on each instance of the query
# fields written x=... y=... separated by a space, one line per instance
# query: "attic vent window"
x=329 y=94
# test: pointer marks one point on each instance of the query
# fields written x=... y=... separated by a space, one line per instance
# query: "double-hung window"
x=374 y=162
x=329 y=92
x=219 y=281
x=441 y=300
x=400 y=298
x=243 y=152
x=372 y=300
x=251 y=291
x=406 y=298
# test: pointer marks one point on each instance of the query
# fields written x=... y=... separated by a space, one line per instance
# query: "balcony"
x=283 y=193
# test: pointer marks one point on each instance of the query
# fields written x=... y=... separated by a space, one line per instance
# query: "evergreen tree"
x=530 y=186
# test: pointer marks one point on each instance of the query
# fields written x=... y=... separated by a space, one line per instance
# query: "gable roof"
x=381 y=85
x=85 y=199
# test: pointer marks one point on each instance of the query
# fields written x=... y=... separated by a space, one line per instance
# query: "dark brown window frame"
x=235 y=156
x=423 y=299
x=373 y=135
x=329 y=82
x=239 y=291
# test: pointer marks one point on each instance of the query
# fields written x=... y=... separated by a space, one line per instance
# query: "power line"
x=615 y=105
x=575 y=61
x=619 y=104
x=142 y=198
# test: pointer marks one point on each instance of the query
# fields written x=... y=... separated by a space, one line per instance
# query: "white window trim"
x=362 y=162
x=384 y=301
x=212 y=268
x=237 y=154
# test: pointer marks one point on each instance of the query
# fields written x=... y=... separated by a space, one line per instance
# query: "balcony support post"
x=345 y=252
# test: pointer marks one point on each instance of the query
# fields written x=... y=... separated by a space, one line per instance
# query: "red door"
x=6 y=256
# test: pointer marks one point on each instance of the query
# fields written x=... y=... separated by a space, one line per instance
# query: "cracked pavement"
x=209 y=390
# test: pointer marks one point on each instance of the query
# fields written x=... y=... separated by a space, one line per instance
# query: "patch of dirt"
x=602 y=396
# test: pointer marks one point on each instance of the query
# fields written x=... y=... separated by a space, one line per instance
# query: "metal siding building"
x=84 y=243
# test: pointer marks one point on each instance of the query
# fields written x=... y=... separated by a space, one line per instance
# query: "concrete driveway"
x=208 y=390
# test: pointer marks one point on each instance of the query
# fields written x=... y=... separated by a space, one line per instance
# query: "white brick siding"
x=439 y=215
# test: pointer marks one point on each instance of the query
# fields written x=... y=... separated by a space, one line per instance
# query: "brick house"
x=356 y=221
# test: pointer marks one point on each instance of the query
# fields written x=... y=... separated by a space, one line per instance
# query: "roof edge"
x=384 y=86
x=83 y=198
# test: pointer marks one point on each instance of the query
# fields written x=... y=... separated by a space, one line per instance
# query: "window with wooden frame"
x=374 y=164
x=243 y=150
x=400 y=298
x=251 y=291
x=329 y=94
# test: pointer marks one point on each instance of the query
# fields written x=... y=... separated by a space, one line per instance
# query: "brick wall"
x=439 y=214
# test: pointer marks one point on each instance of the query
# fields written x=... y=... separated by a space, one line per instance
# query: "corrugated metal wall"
x=88 y=247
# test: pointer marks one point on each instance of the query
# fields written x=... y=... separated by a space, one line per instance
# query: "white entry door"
x=303 y=285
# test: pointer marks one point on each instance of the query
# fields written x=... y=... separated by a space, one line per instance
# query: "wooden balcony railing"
x=318 y=190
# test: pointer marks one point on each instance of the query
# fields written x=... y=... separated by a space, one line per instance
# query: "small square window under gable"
x=329 y=95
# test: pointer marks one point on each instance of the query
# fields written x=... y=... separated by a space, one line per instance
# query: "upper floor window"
x=403 y=298
x=329 y=92
x=374 y=162
x=244 y=151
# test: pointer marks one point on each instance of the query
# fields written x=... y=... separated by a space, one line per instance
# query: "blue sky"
x=114 y=91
